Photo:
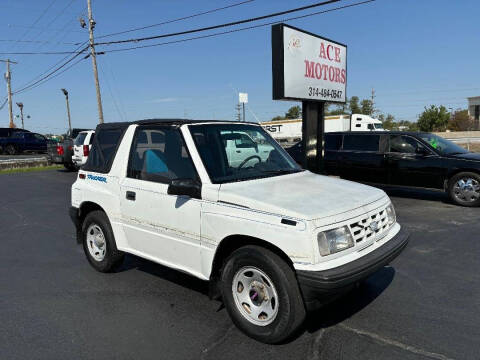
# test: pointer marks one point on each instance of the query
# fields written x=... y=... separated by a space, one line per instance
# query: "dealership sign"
x=307 y=67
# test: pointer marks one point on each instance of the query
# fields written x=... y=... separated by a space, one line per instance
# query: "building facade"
x=474 y=110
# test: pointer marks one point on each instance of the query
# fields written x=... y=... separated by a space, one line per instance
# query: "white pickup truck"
x=273 y=240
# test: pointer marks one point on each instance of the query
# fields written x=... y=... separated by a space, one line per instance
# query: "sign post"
x=243 y=99
x=311 y=69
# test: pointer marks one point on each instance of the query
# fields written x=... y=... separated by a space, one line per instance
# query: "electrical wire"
x=240 y=29
x=177 y=19
x=49 y=78
x=111 y=93
x=51 y=73
x=323 y=3
x=37 y=20
x=53 y=66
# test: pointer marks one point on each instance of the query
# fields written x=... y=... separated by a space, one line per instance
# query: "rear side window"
x=104 y=148
x=333 y=142
x=80 y=139
x=4 y=133
x=159 y=154
x=361 y=142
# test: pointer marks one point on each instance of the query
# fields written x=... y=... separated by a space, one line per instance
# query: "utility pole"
x=20 y=105
x=91 y=26
x=239 y=116
x=373 y=101
x=8 y=77
x=65 y=92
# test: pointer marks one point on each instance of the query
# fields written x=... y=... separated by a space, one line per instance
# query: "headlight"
x=392 y=217
x=333 y=241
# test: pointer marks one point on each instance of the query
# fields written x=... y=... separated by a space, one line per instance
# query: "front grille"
x=362 y=231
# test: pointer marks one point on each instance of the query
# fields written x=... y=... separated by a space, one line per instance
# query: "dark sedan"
x=406 y=159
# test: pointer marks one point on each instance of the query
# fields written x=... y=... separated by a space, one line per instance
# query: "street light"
x=65 y=92
x=20 y=105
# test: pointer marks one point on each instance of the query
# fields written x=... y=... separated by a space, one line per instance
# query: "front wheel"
x=464 y=189
x=99 y=243
x=261 y=294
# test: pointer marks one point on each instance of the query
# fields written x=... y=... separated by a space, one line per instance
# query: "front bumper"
x=320 y=287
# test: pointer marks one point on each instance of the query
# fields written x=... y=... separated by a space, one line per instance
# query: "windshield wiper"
x=282 y=171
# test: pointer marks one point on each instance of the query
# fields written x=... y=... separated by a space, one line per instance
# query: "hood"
x=301 y=195
x=467 y=156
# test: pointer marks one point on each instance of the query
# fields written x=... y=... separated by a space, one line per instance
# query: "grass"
x=31 y=169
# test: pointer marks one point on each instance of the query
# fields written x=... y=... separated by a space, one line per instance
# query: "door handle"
x=239 y=151
x=131 y=195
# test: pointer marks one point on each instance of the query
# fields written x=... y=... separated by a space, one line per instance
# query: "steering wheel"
x=248 y=159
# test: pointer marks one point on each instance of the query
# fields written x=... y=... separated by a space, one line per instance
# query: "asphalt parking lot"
x=53 y=305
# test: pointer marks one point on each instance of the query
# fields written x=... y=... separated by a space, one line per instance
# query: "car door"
x=411 y=163
x=159 y=226
x=362 y=158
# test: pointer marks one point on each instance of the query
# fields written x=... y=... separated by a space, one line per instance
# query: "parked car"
x=81 y=147
x=403 y=158
x=62 y=152
x=7 y=132
x=272 y=239
x=22 y=141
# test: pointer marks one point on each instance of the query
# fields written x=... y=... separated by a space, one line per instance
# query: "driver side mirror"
x=422 y=151
x=186 y=187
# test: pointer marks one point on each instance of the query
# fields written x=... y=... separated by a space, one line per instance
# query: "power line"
x=53 y=66
x=37 y=41
x=58 y=15
x=49 y=78
x=240 y=29
x=220 y=25
x=38 y=19
x=51 y=73
x=177 y=19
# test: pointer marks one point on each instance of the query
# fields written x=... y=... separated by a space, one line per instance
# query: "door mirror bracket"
x=185 y=187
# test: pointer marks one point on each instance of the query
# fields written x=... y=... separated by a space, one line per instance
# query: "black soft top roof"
x=178 y=122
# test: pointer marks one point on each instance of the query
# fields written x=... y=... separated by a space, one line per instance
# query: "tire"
x=464 y=189
x=70 y=167
x=11 y=150
x=277 y=283
x=97 y=225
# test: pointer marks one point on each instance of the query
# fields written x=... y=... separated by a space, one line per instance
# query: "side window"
x=371 y=127
x=39 y=137
x=333 y=142
x=361 y=142
x=404 y=144
x=159 y=154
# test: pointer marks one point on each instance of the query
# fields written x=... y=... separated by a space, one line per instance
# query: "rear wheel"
x=11 y=149
x=261 y=294
x=464 y=189
x=99 y=243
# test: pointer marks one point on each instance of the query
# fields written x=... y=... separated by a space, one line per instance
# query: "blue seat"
x=154 y=162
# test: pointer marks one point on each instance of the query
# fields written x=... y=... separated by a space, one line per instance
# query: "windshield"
x=80 y=139
x=378 y=126
x=443 y=146
x=237 y=152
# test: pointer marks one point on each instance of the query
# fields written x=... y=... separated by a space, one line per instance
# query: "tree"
x=293 y=112
x=461 y=121
x=354 y=107
x=387 y=121
x=278 y=118
x=366 y=107
x=434 y=119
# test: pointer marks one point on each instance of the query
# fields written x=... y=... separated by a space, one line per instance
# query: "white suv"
x=81 y=147
x=224 y=202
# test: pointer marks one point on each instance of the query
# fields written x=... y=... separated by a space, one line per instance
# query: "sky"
x=413 y=53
